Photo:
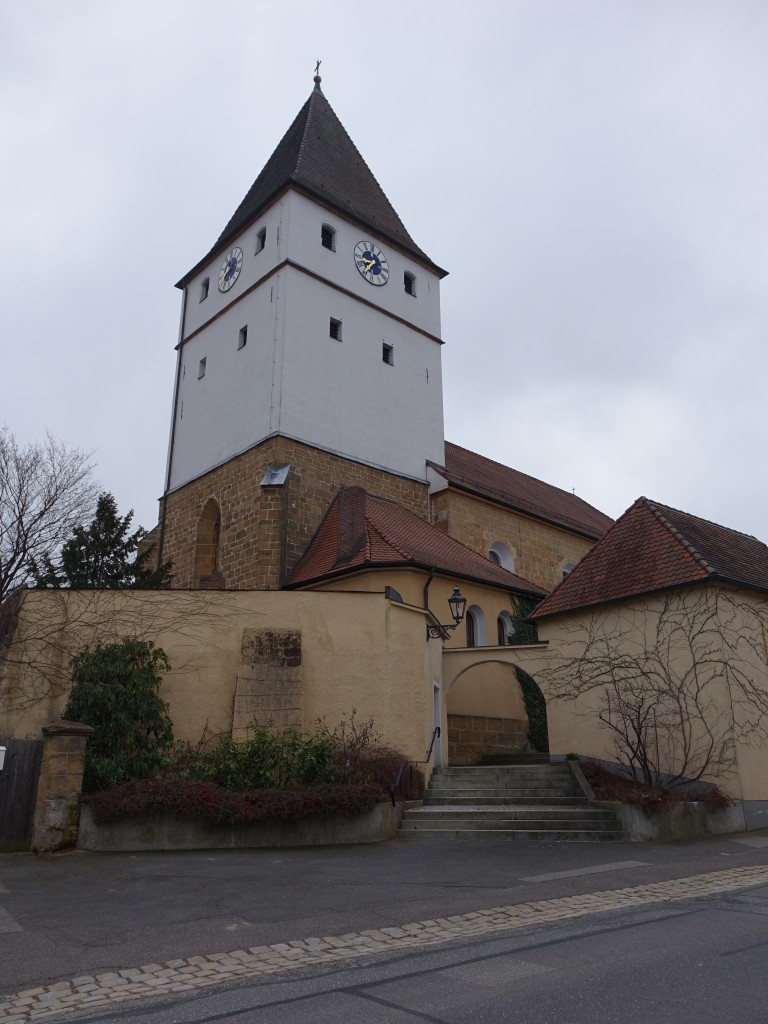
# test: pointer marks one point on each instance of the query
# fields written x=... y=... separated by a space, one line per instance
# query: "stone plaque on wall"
x=269 y=692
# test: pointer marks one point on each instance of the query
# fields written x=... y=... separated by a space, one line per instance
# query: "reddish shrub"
x=152 y=798
x=607 y=785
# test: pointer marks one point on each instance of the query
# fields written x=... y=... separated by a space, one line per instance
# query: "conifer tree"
x=103 y=555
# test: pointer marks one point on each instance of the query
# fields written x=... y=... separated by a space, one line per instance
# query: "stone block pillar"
x=57 y=811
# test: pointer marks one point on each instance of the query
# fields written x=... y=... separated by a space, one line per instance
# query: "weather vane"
x=317 y=67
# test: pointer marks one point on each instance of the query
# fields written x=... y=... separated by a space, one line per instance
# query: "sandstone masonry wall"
x=265 y=530
x=541 y=551
x=270 y=691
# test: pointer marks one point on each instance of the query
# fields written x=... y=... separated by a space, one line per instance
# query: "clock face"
x=230 y=269
x=372 y=263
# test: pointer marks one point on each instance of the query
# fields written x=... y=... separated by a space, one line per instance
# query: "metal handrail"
x=396 y=784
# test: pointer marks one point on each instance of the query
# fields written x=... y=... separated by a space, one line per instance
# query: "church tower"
x=308 y=360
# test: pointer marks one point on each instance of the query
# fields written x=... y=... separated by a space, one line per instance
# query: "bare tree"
x=679 y=681
x=46 y=490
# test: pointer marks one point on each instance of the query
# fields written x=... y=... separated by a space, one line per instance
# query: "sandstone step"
x=529 y=778
x=514 y=759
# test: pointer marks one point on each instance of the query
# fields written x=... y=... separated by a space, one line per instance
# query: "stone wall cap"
x=67 y=729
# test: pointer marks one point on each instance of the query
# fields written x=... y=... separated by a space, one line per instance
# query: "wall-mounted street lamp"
x=458 y=605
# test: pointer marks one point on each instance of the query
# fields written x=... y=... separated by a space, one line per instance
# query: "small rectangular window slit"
x=204 y=285
x=388 y=355
x=242 y=337
x=335 y=329
x=201 y=368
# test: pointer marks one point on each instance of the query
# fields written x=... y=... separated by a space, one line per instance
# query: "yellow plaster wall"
x=358 y=652
x=574 y=725
x=489 y=690
x=409 y=583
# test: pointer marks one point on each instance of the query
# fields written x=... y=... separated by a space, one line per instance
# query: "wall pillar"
x=57 y=810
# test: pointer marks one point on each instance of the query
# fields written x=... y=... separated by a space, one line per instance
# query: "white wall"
x=291 y=377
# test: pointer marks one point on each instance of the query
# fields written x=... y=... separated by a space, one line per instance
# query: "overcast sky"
x=593 y=174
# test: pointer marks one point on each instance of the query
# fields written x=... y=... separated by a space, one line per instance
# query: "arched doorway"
x=207 y=573
x=495 y=712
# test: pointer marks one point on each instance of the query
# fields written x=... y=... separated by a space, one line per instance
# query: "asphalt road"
x=701 y=961
x=83 y=913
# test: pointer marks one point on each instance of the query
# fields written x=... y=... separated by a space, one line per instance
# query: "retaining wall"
x=168 y=833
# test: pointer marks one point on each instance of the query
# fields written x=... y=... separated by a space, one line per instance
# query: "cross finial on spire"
x=318 y=79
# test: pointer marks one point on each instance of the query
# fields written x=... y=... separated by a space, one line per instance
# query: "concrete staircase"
x=530 y=801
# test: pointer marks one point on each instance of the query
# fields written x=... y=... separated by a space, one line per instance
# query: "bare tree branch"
x=46 y=490
x=679 y=681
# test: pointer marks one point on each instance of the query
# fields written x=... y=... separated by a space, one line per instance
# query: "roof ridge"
x=294 y=173
x=520 y=472
x=384 y=535
x=562 y=517
x=656 y=511
x=701 y=519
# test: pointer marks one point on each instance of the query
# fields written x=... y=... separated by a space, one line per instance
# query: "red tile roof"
x=361 y=531
x=509 y=487
x=653 y=547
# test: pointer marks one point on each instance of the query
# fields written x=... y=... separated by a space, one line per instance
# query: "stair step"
x=575 y=836
x=468 y=781
x=473 y=801
x=513 y=759
x=508 y=812
x=513 y=771
x=510 y=825
x=503 y=801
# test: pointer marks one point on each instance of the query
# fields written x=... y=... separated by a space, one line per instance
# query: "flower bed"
x=607 y=785
x=205 y=801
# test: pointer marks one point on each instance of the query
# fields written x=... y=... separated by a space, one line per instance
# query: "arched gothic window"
x=208 y=538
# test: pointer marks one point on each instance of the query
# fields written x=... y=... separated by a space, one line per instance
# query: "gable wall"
x=541 y=551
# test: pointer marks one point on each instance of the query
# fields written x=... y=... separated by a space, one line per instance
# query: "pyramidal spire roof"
x=317 y=156
x=654 y=547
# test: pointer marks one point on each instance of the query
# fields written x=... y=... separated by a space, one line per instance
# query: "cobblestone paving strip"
x=186 y=975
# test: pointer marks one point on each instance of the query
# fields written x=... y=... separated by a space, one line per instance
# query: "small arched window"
x=328 y=237
x=409 y=283
x=502 y=555
x=475 y=619
x=506 y=629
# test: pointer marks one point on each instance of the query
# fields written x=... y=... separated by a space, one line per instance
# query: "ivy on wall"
x=536 y=709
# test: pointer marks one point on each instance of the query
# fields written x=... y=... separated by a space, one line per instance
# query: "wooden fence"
x=18 y=790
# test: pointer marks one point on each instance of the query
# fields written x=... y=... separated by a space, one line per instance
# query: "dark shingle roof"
x=516 y=490
x=318 y=156
x=361 y=531
x=654 y=547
